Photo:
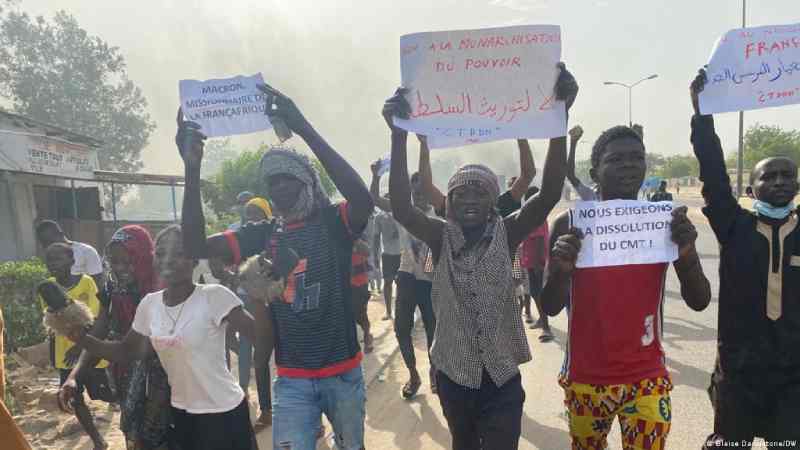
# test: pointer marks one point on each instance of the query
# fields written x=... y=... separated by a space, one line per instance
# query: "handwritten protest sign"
x=471 y=86
x=753 y=68
x=225 y=107
x=622 y=232
x=383 y=165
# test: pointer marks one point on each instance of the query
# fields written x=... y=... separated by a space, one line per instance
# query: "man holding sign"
x=756 y=384
x=615 y=364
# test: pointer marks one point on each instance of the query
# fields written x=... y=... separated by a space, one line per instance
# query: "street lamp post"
x=630 y=93
x=740 y=153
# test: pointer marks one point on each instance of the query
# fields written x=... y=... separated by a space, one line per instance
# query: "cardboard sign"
x=622 y=232
x=225 y=107
x=753 y=68
x=473 y=86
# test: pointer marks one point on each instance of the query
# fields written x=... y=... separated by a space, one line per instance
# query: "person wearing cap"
x=317 y=353
x=479 y=338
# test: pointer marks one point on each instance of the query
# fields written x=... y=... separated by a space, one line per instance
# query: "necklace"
x=176 y=319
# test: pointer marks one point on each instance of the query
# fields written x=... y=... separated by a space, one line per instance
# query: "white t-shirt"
x=194 y=355
x=87 y=260
x=421 y=266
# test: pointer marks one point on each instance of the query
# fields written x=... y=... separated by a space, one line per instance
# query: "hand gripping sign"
x=471 y=86
x=623 y=232
x=753 y=68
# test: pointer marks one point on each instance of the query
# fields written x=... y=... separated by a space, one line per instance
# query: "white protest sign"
x=383 y=165
x=753 y=68
x=225 y=107
x=622 y=232
x=471 y=86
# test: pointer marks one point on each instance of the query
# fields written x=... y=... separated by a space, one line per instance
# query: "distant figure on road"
x=661 y=195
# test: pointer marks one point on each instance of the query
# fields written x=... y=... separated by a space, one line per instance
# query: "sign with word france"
x=225 y=107
x=471 y=86
x=753 y=68
x=622 y=232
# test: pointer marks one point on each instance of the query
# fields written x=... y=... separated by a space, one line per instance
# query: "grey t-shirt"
x=389 y=230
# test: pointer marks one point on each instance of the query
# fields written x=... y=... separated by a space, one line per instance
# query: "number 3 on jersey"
x=301 y=297
x=649 y=331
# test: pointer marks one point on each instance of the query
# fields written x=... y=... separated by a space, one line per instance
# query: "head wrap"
x=139 y=244
x=261 y=204
x=474 y=174
x=286 y=161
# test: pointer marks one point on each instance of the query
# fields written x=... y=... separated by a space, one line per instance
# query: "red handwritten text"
x=764 y=97
x=761 y=48
x=492 y=63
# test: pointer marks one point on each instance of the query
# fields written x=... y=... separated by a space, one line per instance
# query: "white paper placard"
x=753 y=68
x=471 y=86
x=225 y=107
x=622 y=232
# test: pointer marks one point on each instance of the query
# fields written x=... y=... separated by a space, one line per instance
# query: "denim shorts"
x=299 y=403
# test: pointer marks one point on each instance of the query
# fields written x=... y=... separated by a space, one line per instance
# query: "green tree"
x=55 y=72
x=678 y=166
x=764 y=141
x=243 y=173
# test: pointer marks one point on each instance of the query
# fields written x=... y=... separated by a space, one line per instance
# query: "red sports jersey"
x=615 y=325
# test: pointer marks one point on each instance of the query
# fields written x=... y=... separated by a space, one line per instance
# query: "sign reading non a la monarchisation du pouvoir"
x=472 y=86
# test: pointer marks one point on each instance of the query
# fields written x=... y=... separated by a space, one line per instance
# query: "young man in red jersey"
x=614 y=365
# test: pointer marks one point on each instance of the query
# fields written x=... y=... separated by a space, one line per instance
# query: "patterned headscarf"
x=475 y=174
x=263 y=205
x=139 y=244
x=280 y=160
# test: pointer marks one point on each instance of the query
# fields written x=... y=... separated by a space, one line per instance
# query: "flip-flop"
x=411 y=388
x=546 y=336
x=528 y=319
x=536 y=325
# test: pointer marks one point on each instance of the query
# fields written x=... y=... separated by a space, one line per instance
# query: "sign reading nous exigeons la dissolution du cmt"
x=471 y=86
x=225 y=107
x=622 y=232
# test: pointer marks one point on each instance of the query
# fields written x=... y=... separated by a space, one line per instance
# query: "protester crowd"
x=470 y=259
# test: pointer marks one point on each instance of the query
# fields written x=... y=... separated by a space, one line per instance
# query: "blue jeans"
x=262 y=376
x=299 y=405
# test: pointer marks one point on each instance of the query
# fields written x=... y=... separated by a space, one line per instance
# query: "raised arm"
x=428 y=230
x=375 y=189
x=695 y=288
x=565 y=244
x=132 y=347
x=527 y=171
x=534 y=212
x=721 y=206
x=575 y=135
x=341 y=172
x=435 y=196
x=190 y=142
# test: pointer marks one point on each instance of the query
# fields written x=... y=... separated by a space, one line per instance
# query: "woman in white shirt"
x=186 y=325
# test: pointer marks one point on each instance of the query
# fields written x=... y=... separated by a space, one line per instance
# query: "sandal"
x=411 y=388
x=547 y=336
x=528 y=318
x=434 y=383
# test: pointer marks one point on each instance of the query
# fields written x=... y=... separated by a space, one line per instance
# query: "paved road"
x=689 y=342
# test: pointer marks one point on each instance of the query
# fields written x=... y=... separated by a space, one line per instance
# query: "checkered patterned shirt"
x=478 y=320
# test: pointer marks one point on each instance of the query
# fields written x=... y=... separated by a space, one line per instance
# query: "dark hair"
x=533 y=190
x=46 y=225
x=60 y=245
x=612 y=134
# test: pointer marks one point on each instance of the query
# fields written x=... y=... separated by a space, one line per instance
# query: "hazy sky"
x=340 y=59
